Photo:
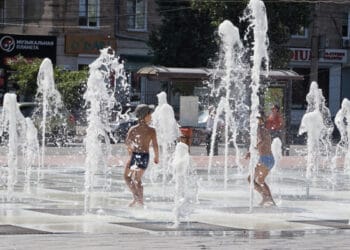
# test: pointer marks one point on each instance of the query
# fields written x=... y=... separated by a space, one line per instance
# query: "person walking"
x=138 y=142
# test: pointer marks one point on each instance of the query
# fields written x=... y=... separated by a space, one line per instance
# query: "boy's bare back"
x=139 y=138
x=264 y=141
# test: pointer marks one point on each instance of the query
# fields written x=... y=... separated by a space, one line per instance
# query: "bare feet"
x=133 y=203
x=136 y=203
x=267 y=202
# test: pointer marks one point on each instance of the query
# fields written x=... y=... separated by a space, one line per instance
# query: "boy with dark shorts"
x=265 y=164
x=138 y=141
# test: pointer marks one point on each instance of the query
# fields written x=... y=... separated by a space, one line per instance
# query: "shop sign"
x=27 y=46
x=327 y=55
x=87 y=44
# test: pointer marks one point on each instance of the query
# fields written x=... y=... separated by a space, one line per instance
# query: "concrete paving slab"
x=308 y=215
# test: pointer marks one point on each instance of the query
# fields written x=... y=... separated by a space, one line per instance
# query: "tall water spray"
x=342 y=121
x=13 y=123
x=166 y=126
x=317 y=123
x=256 y=12
x=228 y=83
x=181 y=166
x=31 y=151
x=100 y=100
x=50 y=103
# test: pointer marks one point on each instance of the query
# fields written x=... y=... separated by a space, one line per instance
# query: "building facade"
x=71 y=32
x=332 y=24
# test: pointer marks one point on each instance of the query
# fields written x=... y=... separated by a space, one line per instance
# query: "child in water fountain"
x=265 y=164
x=138 y=142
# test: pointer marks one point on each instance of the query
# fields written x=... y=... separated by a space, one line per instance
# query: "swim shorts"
x=267 y=160
x=140 y=160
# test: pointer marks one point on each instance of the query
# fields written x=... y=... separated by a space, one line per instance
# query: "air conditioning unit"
x=346 y=43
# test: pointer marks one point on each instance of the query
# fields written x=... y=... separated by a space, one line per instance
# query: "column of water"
x=257 y=14
x=50 y=103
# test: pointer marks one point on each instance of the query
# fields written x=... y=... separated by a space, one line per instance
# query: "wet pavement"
x=52 y=214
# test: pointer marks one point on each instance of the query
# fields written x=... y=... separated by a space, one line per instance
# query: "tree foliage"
x=185 y=38
x=25 y=74
x=187 y=34
x=70 y=84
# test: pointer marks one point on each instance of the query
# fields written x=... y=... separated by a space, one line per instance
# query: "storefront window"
x=301 y=88
x=302 y=33
x=2 y=11
x=345 y=25
x=89 y=13
x=136 y=10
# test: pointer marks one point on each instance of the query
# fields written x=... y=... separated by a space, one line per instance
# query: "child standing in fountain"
x=265 y=163
x=138 y=142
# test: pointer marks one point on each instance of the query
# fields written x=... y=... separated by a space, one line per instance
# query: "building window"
x=303 y=32
x=136 y=11
x=345 y=25
x=89 y=13
x=301 y=88
x=2 y=11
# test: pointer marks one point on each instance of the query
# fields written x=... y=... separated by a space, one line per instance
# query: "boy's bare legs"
x=133 y=179
x=139 y=186
x=260 y=186
x=131 y=184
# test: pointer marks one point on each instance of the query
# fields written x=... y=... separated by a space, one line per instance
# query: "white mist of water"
x=181 y=166
x=257 y=16
x=317 y=123
x=342 y=121
x=31 y=151
x=228 y=84
x=167 y=129
x=276 y=148
x=13 y=123
x=100 y=101
x=50 y=102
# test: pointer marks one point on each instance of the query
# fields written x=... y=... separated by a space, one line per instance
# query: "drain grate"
x=339 y=224
x=14 y=230
x=183 y=226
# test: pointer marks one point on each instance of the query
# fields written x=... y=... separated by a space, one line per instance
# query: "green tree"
x=25 y=75
x=70 y=84
x=185 y=38
x=181 y=29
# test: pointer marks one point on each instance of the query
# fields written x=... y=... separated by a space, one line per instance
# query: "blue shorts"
x=140 y=160
x=267 y=160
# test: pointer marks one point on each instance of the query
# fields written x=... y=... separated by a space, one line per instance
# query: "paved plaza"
x=52 y=214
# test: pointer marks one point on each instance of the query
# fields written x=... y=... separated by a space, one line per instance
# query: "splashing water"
x=228 y=80
x=50 y=103
x=167 y=129
x=181 y=164
x=100 y=101
x=13 y=123
x=186 y=183
x=317 y=123
x=256 y=13
x=276 y=148
x=31 y=151
x=342 y=121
